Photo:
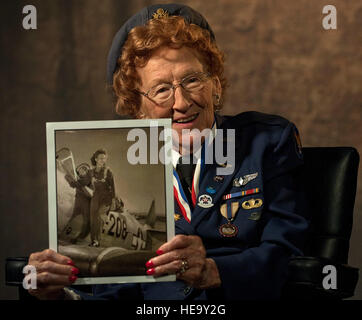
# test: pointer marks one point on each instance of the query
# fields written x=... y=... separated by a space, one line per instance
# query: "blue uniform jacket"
x=253 y=264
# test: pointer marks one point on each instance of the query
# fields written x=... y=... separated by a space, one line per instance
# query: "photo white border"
x=51 y=128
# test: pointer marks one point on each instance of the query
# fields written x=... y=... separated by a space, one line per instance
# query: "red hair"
x=142 y=41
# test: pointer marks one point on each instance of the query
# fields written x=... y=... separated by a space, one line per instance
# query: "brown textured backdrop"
x=279 y=60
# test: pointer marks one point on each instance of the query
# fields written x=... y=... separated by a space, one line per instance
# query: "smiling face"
x=193 y=110
x=101 y=160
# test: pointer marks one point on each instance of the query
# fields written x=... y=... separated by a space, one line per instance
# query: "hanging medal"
x=228 y=211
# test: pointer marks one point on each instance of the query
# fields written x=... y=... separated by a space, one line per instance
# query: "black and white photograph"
x=108 y=216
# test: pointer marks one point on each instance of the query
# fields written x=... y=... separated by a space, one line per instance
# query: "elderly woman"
x=236 y=241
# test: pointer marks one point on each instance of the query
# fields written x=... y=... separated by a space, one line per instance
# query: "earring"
x=141 y=115
x=217 y=97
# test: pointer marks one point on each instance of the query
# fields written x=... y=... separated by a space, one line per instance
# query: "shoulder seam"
x=249 y=117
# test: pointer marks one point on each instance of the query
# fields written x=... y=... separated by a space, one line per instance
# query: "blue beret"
x=140 y=19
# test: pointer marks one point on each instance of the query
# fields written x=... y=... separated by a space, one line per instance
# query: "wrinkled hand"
x=54 y=272
x=201 y=273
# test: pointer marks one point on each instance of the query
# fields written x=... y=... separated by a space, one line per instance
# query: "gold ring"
x=184 y=266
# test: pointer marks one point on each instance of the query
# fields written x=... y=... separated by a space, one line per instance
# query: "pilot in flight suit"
x=104 y=193
x=251 y=250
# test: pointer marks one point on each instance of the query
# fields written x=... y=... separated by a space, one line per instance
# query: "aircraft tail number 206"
x=115 y=226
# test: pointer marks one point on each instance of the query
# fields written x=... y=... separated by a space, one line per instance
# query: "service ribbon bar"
x=241 y=193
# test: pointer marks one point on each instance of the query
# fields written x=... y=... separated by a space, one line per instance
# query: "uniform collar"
x=176 y=155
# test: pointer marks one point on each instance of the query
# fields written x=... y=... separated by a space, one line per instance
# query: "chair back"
x=330 y=179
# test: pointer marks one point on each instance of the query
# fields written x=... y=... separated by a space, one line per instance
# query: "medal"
x=205 y=201
x=228 y=211
x=218 y=178
x=224 y=165
x=228 y=230
x=210 y=190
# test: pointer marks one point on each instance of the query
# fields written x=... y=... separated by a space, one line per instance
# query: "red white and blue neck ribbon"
x=178 y=191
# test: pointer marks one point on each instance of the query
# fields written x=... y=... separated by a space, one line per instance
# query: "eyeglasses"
x=161 y=93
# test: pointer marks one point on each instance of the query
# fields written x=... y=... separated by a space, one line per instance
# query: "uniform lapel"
x=183 y=227
x=208 y=180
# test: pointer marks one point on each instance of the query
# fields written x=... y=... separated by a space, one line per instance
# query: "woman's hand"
x=185 y=256
x=54 y=272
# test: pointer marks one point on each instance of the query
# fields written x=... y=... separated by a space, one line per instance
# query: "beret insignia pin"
x=160 y=13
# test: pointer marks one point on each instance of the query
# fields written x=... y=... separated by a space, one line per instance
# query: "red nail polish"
x=72 y=278
x=151 y=271
x=70 y=263
x=75 y=271
x=149 y=264
x=159 y=252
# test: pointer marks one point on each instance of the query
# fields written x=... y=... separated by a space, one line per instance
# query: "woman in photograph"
x=103 y=194
x=235 y=233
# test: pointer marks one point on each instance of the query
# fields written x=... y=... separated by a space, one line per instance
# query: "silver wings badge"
x=242 y=181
